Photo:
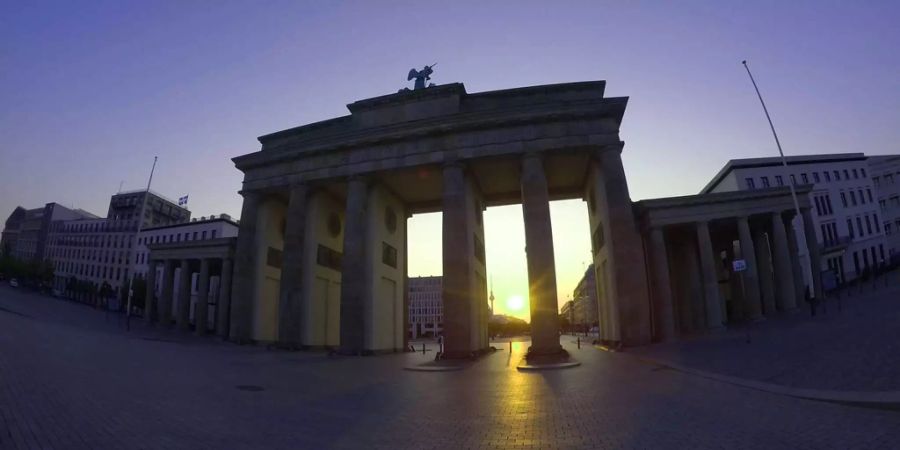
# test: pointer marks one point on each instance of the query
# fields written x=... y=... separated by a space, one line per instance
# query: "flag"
x=182 y=200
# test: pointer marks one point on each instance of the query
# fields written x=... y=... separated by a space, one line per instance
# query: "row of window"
x=889 y=227
x=823 y=205
x=853 y=197
x=805 y=177
x=888 y=179
x=114 y=257
x=867 y=255
x=101 y=241
x=893 y=202
x=176 y=237
x=92 y=270
x=859 y=225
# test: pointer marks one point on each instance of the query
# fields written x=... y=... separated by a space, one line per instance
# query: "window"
x=827 y=176
x=862 y=198
x=868 y=224
x=859 y=228
x=869 y=192
x=875 y=219
x=213 y=234
x=793 y=180
x=846 y=174
x=804 y=178
x=750 y=183
x=855 y=174
x=195 y=236
x=815 y=177
x=765 y=181
x=844 y=199
x=876 y=181
x=778 y=180
x=863 y=172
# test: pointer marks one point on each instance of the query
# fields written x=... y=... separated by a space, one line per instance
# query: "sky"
x=91 y=91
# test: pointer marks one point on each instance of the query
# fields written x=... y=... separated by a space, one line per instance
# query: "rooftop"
x=747 y=163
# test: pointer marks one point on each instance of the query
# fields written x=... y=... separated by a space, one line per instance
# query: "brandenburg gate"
x=321 y=255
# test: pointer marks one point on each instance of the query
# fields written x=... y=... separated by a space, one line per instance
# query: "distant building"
x=846 y=217
x=26 y=232
x=99 y=250
x=11 y=229
x=426 y=307
x=201 y=229
x=584 y=298
x=568 y=312
x=885 y=173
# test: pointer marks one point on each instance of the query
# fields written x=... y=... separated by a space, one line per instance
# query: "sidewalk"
x=856 y=349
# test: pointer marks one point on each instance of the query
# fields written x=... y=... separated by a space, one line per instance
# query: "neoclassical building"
x=321 y=259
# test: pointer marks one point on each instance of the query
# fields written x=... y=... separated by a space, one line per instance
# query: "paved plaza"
x=852 y=344
x=71 y=377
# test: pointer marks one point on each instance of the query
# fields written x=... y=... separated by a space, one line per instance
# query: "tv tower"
x=492 y=296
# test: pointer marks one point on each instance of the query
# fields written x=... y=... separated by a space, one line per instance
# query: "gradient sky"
x=91 y=91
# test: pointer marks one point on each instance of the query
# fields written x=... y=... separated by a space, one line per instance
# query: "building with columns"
x=692 y=242
x=325 y=205
x=845 y=214
x=584 y=298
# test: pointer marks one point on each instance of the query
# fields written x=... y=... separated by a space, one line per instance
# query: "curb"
x=885 y=400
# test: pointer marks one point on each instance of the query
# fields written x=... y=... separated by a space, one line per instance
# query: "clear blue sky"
x=91 y=91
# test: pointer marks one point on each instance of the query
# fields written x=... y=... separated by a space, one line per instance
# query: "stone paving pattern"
x=70 y=378
x=854 y=349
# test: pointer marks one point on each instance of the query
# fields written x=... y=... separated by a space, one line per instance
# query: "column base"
x=475 y=354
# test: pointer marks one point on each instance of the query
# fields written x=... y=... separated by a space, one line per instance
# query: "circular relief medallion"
x=334 y=224
x=390 y=219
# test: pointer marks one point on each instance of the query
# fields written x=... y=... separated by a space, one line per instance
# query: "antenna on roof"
x=120 y=187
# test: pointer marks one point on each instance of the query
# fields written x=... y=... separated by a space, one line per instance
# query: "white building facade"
x=885 y=173
x=846 y=215
x=202 y=229
x=426 y=307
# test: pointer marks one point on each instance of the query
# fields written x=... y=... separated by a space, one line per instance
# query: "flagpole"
x=134 y=246
x=812 y=291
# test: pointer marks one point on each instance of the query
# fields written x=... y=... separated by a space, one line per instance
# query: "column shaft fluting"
x=353 y=268
x=223 y=304
x=200 y=312
x=539 y=254
x=290 y=308
x=710 y=277
x=752 y=300
x=785 y=294
x=662 y=287
x=245 y=271
x=184 y=295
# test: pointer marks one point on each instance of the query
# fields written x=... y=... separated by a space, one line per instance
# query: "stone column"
x=539 y=254
x=784 y=273
x=710 y=278
x=245 y=271
x=766 y=278
x=753 y=302
x=150 y=306
x=184 y=296
x=290 y=307
x=223 y=306
x=663 y=308
x=629 y=299
x=457 y=229
x=168 y=285
x=812 y=245
x=200 y=314
x=797 y=269
x=354 y=285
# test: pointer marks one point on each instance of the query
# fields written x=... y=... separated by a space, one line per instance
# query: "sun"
x=515 y=303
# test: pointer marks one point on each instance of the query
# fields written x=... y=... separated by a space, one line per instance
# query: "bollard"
x=423 y=348
x=579 y=343
x=510 y=346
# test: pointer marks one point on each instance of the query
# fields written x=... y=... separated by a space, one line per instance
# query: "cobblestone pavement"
x=854 y=349
x=71 y=379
